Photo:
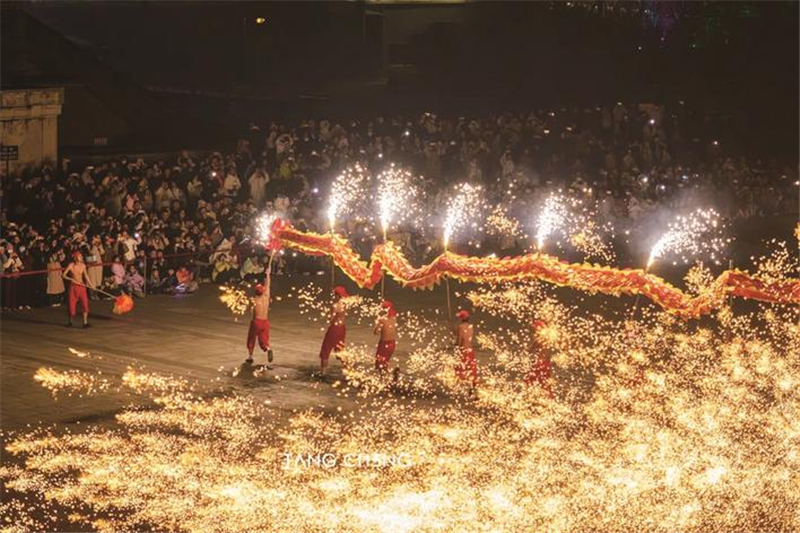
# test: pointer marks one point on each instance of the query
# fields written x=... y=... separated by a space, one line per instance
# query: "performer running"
x=78 y=277
x=334 y=337
x=540 y=371
x=467 y=368
x=386 y=327
x=259 y=324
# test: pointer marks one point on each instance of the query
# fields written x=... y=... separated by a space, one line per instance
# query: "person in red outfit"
x=386 y=327
x=540 y=372
x=78 y=277
x=259 y=324
x=467 y=368
x=334 y=336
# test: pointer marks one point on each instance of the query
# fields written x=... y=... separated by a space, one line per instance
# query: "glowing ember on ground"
x=656 y=425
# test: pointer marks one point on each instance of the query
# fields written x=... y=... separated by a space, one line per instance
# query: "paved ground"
x=196 y=337
x=193 y=336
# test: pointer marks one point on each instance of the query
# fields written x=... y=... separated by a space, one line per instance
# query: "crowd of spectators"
x=165 y=225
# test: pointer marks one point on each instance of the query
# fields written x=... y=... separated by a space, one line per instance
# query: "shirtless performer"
x=540 y=372
x=467 y=368
x=259 y=324
x=78 y=277
x=334 y=337
x=386 y=327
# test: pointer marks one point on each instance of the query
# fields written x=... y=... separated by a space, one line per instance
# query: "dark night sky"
x=736 y=56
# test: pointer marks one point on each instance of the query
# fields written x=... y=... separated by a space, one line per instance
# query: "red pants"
x=467 y=368
x=77 y=293
x=383 y=353
x=334 y=341
x=539 y=374
x=259 y=328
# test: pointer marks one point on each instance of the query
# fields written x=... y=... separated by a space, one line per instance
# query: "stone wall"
x=29 y=121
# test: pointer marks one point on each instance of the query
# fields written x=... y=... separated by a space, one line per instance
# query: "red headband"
x=463 y=314
x=390 y=306
x=340 y=291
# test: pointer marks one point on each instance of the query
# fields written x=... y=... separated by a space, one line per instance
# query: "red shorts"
x=77 y=293
x=383 y=354
x=259 y=328
x=334 y=341
x=467 y=368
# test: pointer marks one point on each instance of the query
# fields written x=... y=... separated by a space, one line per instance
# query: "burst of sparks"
x=551 y=217
x=397 y=196
x=464 y=208
x=263 y=227
x=347 y=190
x=235 y=299
x=690 y=236
x=655 y=425
x=578 y=221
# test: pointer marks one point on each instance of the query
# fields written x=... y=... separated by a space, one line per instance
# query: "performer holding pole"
x=259 y=324
x=467 y=368
x=386 y=327
x=79 y=279
x=335 y=335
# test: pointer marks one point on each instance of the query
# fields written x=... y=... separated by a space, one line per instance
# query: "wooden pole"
x=76 y=282
x=383 y=271
x=447 y=288
x=333 y=263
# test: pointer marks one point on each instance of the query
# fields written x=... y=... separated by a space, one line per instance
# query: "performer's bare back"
x=387 y=327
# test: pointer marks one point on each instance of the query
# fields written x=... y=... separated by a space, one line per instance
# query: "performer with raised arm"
x=467 y=368
x=78 y=276
x=334 y=336
x=259 y=324
x=386 y=327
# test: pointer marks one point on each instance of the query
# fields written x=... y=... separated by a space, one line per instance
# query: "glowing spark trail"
x=578 y=221
x=690 y=236
x=347 y=191
x=397 y=197
x=464 y=208
x=263 y=227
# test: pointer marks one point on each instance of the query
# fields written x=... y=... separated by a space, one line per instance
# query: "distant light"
x=407 y=133
x=315 y=190
x=261 y=20
x=715 y=143
x=652 y=121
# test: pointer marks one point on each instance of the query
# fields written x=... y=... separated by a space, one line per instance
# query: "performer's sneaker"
x=87 y=325
x=249 y=360
x=68 y=324
x=269 y=355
